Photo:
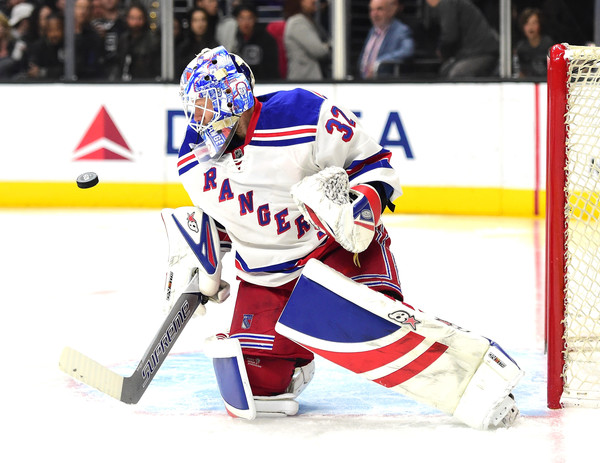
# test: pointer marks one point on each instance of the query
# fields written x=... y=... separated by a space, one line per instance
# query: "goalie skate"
x=505 y=414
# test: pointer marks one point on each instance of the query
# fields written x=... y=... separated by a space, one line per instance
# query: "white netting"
x=582 y=213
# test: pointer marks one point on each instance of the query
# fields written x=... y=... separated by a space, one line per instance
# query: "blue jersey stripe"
x=284 y=267
x=382 y=164
x=187 y=167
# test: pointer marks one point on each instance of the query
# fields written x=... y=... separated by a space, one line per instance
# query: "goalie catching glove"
x=348 y=215
x=194 y=246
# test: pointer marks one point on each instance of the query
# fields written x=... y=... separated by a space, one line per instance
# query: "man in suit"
x=389 y=40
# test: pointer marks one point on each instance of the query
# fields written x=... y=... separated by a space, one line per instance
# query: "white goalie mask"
x=216 y=87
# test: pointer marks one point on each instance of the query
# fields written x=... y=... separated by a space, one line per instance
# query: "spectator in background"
x=389 y=41
x=532 y=50
x=110 y=25
x=39 y=19
x=46 y=57
x=254 y=44
x=12 y=59
x=89 y=49
x=306 y=43
x=222 y=27
x=178 y=34
x=468 y=46
x=139 y=48
x=37 y=22
x=196 y=39
x=96 y=10
x=20 y=20
x=212 y=8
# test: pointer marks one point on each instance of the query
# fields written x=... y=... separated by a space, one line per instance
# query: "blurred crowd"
x=119 y=40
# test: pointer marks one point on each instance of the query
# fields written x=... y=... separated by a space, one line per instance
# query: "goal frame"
x=556 y=198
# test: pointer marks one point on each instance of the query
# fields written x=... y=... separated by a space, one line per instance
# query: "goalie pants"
x=271 y=358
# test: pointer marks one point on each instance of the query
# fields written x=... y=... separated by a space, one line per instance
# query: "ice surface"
x=92 y=279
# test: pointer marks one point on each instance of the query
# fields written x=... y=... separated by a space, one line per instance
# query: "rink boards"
x=459 y=148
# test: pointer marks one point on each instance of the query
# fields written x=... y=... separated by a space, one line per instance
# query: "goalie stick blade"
x=90 y=372
x=130 y=389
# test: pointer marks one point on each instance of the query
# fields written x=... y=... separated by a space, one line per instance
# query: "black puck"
x=87 y=180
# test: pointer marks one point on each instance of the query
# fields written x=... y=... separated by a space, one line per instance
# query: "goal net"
x=573 y=227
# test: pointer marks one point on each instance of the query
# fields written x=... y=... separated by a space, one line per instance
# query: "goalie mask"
x=216 y=87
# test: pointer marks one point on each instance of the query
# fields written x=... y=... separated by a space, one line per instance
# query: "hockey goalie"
x=295 y=187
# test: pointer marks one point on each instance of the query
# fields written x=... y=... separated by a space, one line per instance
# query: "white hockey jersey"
x=292 y=134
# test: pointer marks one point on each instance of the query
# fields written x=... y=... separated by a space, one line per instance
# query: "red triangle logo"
x=102 y=128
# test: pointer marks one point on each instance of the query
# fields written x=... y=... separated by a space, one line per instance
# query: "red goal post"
x=573 y=227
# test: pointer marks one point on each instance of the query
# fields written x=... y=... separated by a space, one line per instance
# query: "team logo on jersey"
x=103 y=141
x=247 y=320
x=404 y=318
x=192 y=223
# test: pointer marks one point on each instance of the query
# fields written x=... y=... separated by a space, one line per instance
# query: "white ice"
x=93 y=279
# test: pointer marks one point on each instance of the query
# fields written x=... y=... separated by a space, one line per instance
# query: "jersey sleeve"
x=342 y=141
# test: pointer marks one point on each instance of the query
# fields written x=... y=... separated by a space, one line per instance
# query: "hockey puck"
x=87 y=180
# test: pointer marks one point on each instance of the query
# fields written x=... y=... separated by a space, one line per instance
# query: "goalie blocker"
x=194 y=247
x=410 y=352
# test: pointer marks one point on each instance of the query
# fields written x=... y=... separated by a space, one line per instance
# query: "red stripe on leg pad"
x=413 y=368
x=360 y=362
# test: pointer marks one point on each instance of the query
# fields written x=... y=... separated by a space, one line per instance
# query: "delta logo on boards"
x=103 y=141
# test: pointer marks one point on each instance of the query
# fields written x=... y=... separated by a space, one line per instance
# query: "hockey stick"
x=131 y=388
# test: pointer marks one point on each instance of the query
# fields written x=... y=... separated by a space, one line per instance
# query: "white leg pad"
x=486 y=401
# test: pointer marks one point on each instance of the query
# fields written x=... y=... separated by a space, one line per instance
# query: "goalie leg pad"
x=232 y=378
x=486 y=401
x=385 y=341
x=230 y=371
